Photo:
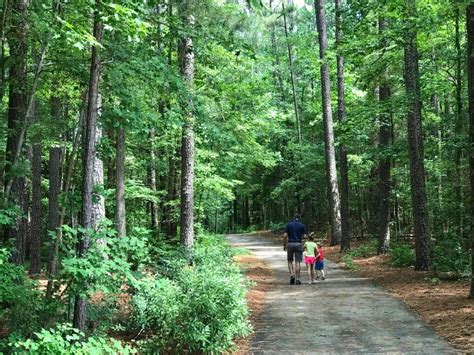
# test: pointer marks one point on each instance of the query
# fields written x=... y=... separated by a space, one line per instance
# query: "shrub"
x=449 y=255
x=402 y=255
x=64 y=339
x=157 y=307
x=200 y=308
x=349 y=262
x=215 y=309
x=105 y=267
x=367 y=249
x=22 y=307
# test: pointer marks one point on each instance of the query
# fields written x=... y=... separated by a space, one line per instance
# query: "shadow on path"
x=343 y=314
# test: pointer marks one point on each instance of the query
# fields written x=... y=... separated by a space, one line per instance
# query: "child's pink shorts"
x=309 y=260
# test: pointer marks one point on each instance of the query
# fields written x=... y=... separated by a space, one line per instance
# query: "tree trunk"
x=110 y=163
x=458 y=127
x=98 y=207
x=153 y=183
x=385 y=132
x=120 y=221
x=415 y=144
x=55 y=158
x=36 y=215
x=2 y=55
x=292 y=77
x=470 y=76
x=169 y=210
x=333 y=190
x=276 y=63
x=89 y=152
x=186 y=60
x=17 y=107
x=341 y=114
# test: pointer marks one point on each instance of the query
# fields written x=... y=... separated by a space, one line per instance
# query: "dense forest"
x=134 y=132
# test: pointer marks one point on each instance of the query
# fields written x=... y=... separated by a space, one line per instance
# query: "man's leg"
x=298 y=260
x=297 y=269
x=290 y=254
x=291 y=269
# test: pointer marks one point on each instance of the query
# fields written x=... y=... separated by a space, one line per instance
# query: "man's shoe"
x=292 y=280
x=323 y=278
x=298 y=282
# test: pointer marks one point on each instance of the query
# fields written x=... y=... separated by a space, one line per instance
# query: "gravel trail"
x=344 y=314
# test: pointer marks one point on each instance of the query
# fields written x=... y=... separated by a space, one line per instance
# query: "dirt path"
x=343 y=314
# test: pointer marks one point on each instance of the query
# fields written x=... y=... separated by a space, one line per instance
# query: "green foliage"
x=9 y=214
x=157 y=306
x=64 y=339
x=451 y=255
x=202 y=308
x=402 y=255
x=349 y=262
x=106 y=266
x=366 y=249
x=23 y=309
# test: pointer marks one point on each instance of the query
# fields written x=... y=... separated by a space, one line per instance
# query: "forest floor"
x=308 y=318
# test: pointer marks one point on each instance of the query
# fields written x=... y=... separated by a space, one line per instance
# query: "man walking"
x=292 y=243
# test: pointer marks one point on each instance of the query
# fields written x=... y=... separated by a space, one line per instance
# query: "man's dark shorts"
x=295 y=249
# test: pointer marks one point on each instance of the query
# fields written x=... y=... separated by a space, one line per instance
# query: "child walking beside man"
x=314 y=259
x=319 y=264
x=311 y=249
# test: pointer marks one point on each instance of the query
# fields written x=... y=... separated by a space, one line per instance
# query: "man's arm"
x=285 y=240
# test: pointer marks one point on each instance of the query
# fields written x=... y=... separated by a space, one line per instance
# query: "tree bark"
x=186 y=60
x=470 y=76
x=55 y=158
x=341 y=114
x=153 y=183
x=89 y=152
x=415 y=145
x=292 y=77
x=276 y=63
x=385 y=132
x=458 y=127
x=2 y=38
x=98 y=207
x=17 y=107
x=333 y=189
x=36 y=215
x=120 y=221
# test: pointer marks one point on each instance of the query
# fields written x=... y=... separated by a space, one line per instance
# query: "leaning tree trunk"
x=17 y=107
x=89 y=152
x=120 y=222
x=385 y=132
x=341 y=114
x=186 y=60
x=36 y=215
x=333 y=190
x=415 y=145
x=470 y=76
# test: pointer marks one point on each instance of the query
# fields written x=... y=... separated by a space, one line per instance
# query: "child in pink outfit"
x=310 y=249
